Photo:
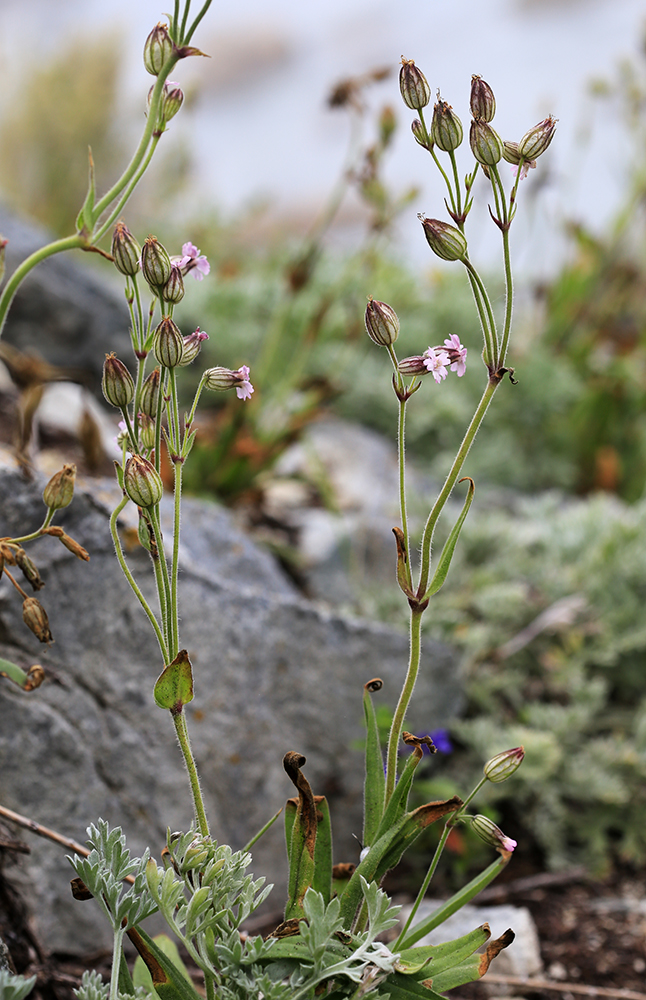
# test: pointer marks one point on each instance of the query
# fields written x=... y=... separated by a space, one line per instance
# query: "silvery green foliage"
x=356 y=965
x=104 y=871
x=15 y=987
x=92 y=987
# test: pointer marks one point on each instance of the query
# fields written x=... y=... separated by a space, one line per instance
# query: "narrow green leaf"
x=473 y=968
x=374 y=788
x=441 y=956
x=398 y=803
x=85 y=218
x=168 y=980
x=126 y=985
x=174 y=686
x=449 y=548
x=456 y=902
x=290 y=815
x=322 y=881
x=404 y=988
x=303 y=838
x=387 y=851
x=261 y=831
x=141 y=974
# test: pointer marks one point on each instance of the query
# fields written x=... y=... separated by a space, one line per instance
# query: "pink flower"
x=245 y=389
x=436 y=360
x=191 y=260
x=524 y=170
x=508 y=844
x=457 y=354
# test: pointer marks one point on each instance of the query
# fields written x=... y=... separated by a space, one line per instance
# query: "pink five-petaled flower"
x=244 y=390
x=192 y=261
x=436 y=360
x=457 y=354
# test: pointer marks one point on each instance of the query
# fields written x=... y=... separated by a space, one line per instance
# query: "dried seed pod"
x=35 y=618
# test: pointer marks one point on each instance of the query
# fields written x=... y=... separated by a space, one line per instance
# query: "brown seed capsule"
x=35 y=618
x=73 y=546
x=536 y=141
x=60 y=488
x=28 y=568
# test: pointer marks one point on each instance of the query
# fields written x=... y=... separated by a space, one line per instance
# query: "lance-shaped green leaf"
x=174 y=686
x=430 y=959
x=168 y=980
x=303 y=837
x=388 y=849
x=322 y=881
x=374 y=788
x=126 y=985
x=85 y=218
x=473 y=968
x=456 y=902
x=141 y=973
x=449 y=548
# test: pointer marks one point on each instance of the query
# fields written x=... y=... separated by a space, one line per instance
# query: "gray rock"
x=63 y=311
x=521 y=958
x=272 y=673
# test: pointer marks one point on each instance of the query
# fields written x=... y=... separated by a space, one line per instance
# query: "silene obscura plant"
x=337 y=919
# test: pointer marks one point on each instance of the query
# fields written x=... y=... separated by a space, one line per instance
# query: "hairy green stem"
x=425 y=884
x=21 y=272
x=482 y=300
x=131 y=580
x=415 y=647
x=165 y=590
x=185 y=745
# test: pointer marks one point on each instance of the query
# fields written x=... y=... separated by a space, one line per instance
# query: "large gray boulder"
x=272 y=673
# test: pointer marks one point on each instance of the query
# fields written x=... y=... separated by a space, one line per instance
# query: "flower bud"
x=155 y=263
x=504 y=764
x=446 y=127
x=158 y=47
x=492 y=834
x=537 y=139
x=117 y=382
x=192 y=346
x=60 y=488
x=382 y=323
x=486 y=145
x=28 y=568
x=419 y=134
x=173 y=290
x=483 y=103
x=413 y=85
x=142 y=482
x=412 y=366
x=35 y=618
x=146 y=432
x=444 y=240
x=172 y=100
x=150 y=394
x=168 y=343
x=220 y=379
x=125 y=250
